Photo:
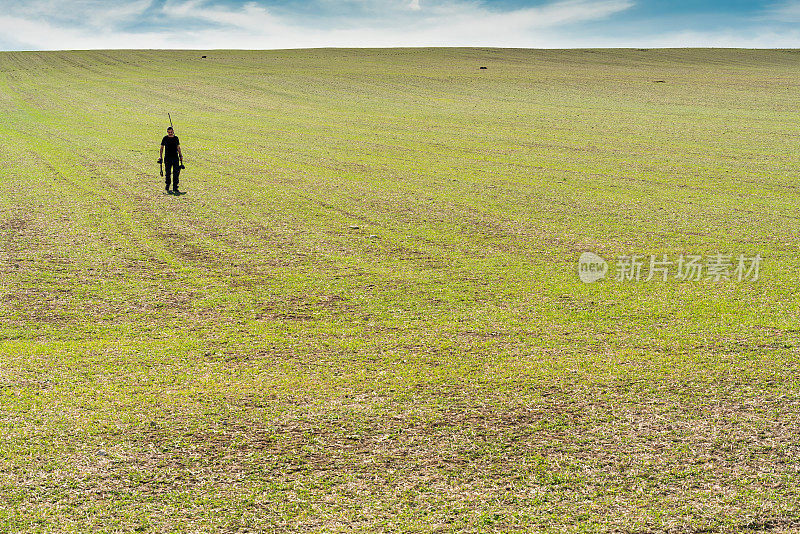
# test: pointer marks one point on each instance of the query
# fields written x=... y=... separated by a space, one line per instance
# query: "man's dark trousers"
x=172 y=166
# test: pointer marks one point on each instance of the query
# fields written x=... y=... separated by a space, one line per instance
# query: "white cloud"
x=43 y=35
x=251 y=17
x=44 y=24
x=384 y=23
x=784 y=11
x=104 y=15
x=456 y=24
x=77 y=13
x=759 y=38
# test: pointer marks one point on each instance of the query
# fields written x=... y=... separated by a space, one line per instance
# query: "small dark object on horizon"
x=484 y=68
x=659 y=81
x=203 y=57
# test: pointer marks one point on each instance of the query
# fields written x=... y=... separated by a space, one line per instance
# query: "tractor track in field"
x=128 y=222
x=175 y=252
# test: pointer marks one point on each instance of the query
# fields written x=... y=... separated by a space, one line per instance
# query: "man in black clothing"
x=172 y=157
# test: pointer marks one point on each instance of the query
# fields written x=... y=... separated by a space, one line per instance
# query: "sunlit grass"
x=365 y=315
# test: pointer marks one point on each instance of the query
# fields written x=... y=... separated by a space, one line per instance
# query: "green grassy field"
x=240 y=359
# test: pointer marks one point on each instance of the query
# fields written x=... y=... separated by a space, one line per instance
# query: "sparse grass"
x=238 y=359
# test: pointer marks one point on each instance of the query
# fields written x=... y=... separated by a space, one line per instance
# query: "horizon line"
x=465 y=47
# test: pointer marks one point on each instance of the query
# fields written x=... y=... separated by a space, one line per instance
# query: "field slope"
x=364 y=315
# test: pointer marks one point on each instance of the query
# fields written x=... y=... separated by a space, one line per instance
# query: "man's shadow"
x=175 y=193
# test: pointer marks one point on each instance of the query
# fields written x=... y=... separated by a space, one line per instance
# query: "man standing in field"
x=172 y=158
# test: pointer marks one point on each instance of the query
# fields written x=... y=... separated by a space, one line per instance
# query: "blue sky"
x=82 y=24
